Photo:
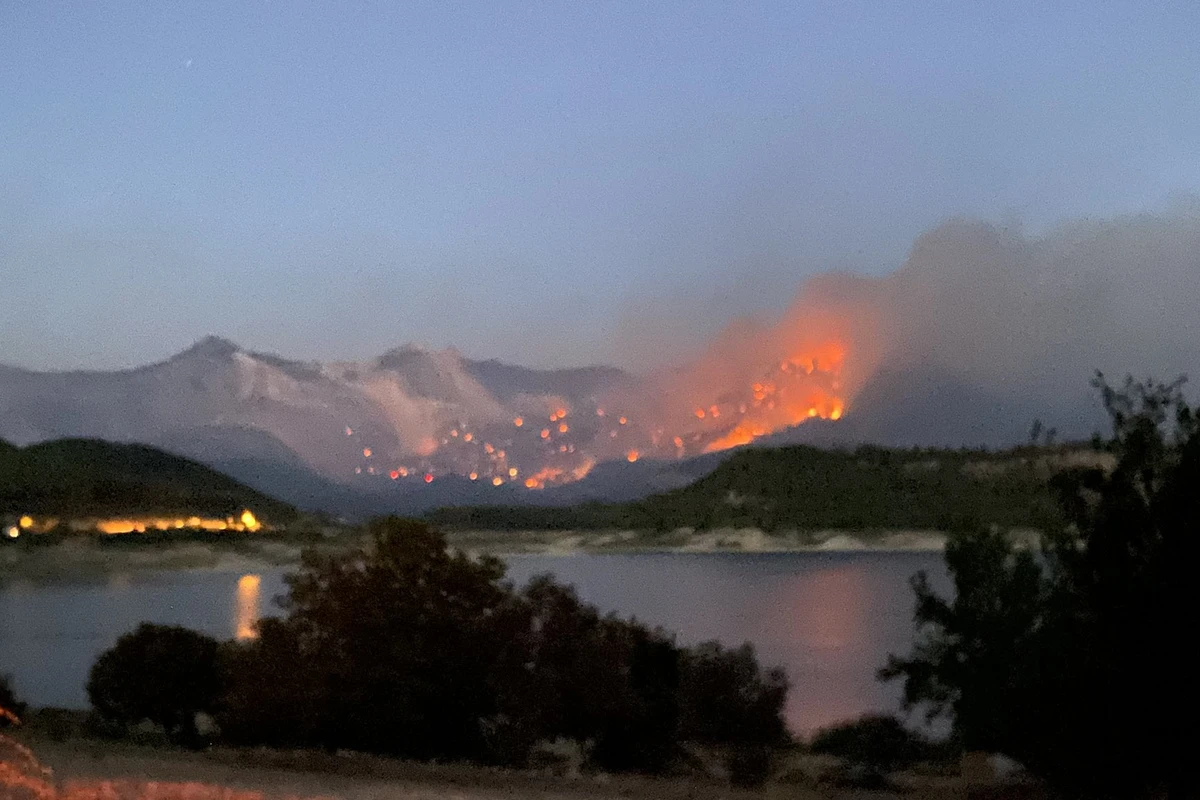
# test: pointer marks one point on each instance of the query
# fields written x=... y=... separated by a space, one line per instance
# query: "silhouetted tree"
x=398 y=634
x=273 y=691
x=609 y=682
x=962 y=663
x=164 y=674
x=1081 y=664
x=725 y=697
x=402 y=647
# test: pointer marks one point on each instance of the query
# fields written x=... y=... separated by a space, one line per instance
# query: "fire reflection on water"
x=248 y=609
x=822 y=626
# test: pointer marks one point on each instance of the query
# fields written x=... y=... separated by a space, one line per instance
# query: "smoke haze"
x=985 y=327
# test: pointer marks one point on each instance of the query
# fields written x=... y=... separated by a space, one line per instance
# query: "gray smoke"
x=985 y=327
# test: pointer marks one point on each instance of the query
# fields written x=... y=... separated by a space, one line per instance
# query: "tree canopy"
x=1078 y=660
x=405 y=648
x=161 y=673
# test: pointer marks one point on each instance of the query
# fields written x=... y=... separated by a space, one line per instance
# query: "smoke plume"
x=983 y=329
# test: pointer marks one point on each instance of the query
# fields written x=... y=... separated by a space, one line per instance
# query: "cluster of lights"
x=247 y=522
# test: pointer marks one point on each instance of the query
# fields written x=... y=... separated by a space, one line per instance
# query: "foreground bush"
x=159 y=673
x=876 y=744
x=403 y=648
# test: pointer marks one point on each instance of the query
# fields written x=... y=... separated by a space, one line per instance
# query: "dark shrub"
x=876 y=743
x=273 y=694
x=726 y=698
x=163 y=674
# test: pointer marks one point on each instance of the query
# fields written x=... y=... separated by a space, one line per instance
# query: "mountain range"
x=416 y=429
x=299 y=430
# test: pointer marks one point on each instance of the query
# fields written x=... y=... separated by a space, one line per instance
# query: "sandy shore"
x=686 y=540
x=85 y=560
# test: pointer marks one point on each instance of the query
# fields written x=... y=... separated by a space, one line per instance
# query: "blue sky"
x=547 y=183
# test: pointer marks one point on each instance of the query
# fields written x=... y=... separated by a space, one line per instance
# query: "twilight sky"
x=546 y=183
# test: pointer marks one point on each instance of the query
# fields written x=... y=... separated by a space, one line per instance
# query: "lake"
x=829 y=619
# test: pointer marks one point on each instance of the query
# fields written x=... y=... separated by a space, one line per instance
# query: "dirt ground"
x=85 y=770
x=95 y=770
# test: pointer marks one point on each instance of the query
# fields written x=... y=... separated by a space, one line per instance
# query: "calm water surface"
x=829 y=619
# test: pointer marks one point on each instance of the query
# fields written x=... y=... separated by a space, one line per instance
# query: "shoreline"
x=722 y=541
x=84 y=562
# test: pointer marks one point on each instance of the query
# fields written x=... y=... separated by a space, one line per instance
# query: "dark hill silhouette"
x=807 y=488
x=83 y=477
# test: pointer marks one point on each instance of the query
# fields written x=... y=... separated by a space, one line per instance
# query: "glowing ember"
x=519 y=421
x=631 y=456
x=366 y=452
x=429 y=477
x=496 y=481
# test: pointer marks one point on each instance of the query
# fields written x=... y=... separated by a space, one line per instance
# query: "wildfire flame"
x=723 y=400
